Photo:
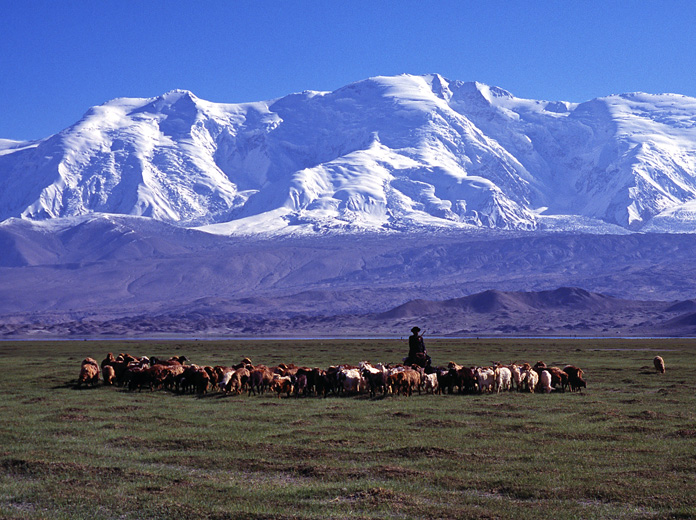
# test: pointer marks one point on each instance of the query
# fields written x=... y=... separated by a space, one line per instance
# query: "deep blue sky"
x=58 y=58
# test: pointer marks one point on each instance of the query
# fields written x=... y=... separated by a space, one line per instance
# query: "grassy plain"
x=624 y=448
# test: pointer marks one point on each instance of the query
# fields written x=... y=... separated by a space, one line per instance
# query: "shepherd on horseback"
x=417 y=354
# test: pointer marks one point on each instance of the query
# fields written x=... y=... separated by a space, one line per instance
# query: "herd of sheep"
x=136 y=373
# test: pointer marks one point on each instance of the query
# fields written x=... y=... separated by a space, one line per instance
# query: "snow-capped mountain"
x=386 y=153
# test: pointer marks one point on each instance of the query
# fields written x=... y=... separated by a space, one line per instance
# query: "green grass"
x=624 y=448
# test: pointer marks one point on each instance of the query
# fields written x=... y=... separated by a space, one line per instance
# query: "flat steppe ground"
x=625 y=447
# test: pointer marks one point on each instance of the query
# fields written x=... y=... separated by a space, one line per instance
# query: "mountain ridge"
x=494 y=300
x=567 y=311
x=389 y=200
x=389 y=153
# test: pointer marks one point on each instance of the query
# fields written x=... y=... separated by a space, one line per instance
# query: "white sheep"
x=503 y=378
x=226 y=377
x=516 y=372
x=530 y=379
x=545 y=382
x=430 y=383
x=353 y=381
x=485 y=378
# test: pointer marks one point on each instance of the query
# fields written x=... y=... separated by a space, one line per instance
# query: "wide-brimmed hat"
x=415 y=329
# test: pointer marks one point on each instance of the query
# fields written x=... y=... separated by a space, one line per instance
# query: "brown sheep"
x=119 y=366
x=238 y=381
x=174 y=360
x=405 y=381
x=659 y=364
x=192 y=379
x=137 y=378
x=575 y=380
x=167 y=375
x=108 y=374
x=212 y=376
x=108 y=360
x=558 y=377
x=259 y=379
x=89 y=372
x=282 y=384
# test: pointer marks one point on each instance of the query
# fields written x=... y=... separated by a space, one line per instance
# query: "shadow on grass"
x=72 y=385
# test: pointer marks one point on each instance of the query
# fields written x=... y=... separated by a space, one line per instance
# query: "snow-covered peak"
x=173 y=102
x=386 y=153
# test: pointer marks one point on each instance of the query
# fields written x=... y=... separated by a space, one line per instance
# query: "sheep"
x=176 y=360
x=376 y=377
x=138 y=377
x=193 y=379
x=659 y=364
x=289 y=378
x=224 y=380
x=545 y=382
x=89 y=372
x=485 y=378
x=238 y=381
x=446 y=379
x=351 y=380
x=108 y=375
x=413 y=379
x=558 y=377
x=287 y=370
x=404 y=381
x=515 y=370
x=212 y=375
x=300 y=383
x=575 y=380
x=201 y=380
x=259 y=379
x=282 y=384
x=159 y=375
x=168 y=376
x=463 y=377
x=503 y=378
x=431 y=383
x=108 y=360
x=316 y=381
x=120 y=366
x=529 y=379
x=124 y=356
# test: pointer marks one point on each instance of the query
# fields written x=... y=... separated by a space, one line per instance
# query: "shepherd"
x=417 y=354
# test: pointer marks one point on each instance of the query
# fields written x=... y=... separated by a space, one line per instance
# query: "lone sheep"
x=659 y=364
x=89 y=373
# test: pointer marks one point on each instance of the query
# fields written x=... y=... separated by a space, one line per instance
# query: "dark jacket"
x=415 y=345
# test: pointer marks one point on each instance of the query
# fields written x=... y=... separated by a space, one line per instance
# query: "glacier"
x=386 y=154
